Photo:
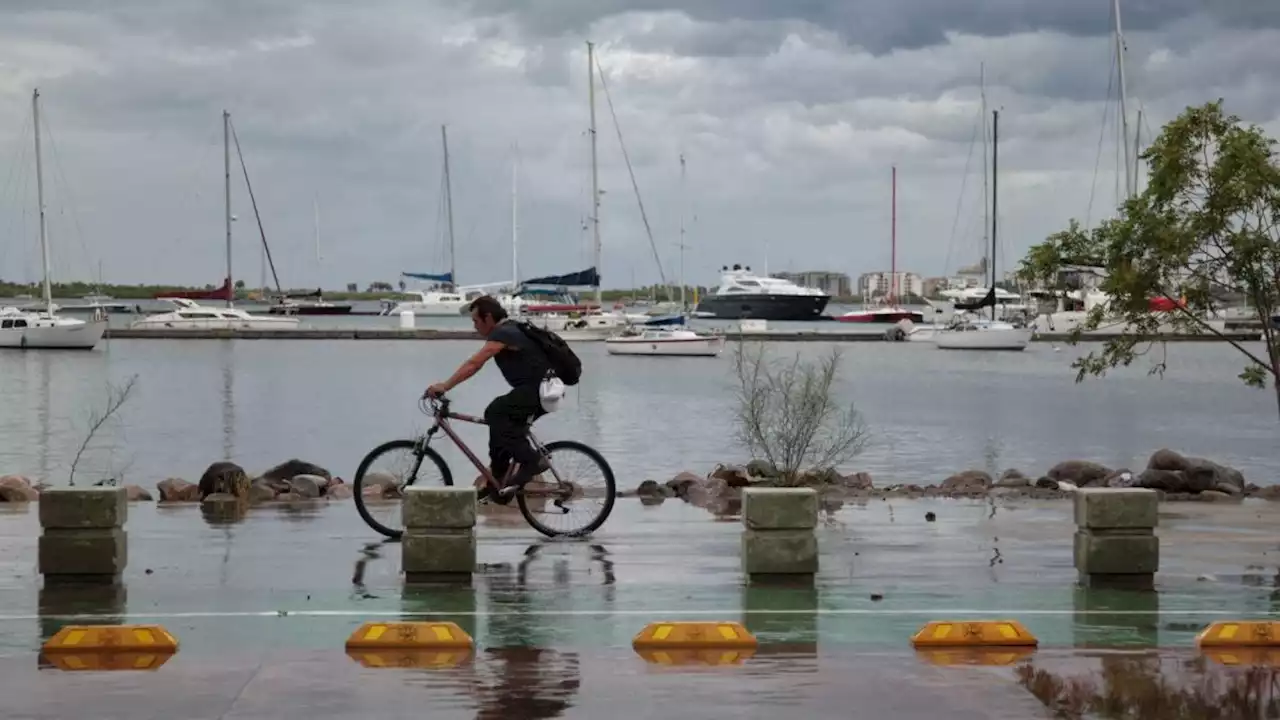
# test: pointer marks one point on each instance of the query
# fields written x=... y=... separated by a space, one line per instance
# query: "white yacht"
x=432 y=303
x=743 y=294
x=980 y=334
x=664 y=342
x=188 y=315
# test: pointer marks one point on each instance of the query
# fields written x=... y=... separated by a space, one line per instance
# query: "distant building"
x=881 y=284
x=832 y=283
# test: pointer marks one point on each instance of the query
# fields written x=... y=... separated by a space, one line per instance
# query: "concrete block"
x=779 y=552
x=1116 y=553
x=76 y=508
x=89 y=552
x=779 y=508
x=435 y=552
x=439 y=507
x=1116 y=508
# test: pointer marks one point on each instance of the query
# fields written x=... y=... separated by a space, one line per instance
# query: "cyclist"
x=524 y=365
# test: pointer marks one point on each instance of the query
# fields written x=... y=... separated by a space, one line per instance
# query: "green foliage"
x=1205 y=232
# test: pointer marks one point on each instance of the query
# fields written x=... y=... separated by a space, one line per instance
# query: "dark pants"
x=509 y=417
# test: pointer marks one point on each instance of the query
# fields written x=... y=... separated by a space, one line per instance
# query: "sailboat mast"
x=44 y=230
x=315 y=213
x=893 y=240
x=226 y=176
x=683 y=304
x=448 y=199
x=595 y=171
x=995 y=159
x=986 y=154
x=1129 y=164
x=515 y=221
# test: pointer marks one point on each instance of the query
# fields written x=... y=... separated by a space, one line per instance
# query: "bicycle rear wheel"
x=579 y=477
x=394 y=466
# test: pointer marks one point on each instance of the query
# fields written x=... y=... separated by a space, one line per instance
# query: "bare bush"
x=116 y=397
x=787 y=416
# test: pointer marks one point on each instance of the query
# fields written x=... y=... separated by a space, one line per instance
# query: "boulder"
x=967 y=480
x=819 y=478
x=715 y=494
x=1190 y=474
x=224 y=478
x=1122 y=478
x=1013 y=478
x=680 y=484
x=178 y=490
x=386 y=481
x=763 y=469
x=1081 y=473
x=260 y=492
x=857 y=481
x=307 y=486
x=734 y=476
x=135 y=493
x=340 y=491
x=289 y=469
x=650 y=489
x=17 y=489
x=1169 y=481
x=1045 y=483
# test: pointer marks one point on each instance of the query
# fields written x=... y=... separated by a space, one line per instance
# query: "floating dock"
x=435 y=334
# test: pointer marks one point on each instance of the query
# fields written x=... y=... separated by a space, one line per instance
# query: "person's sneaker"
x=522 y=478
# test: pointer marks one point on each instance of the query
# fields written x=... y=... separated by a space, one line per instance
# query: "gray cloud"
x=790 y=116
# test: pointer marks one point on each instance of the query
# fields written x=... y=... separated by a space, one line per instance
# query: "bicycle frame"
x=443 y=415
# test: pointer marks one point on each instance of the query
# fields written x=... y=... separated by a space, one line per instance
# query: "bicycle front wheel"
x=384 y=474
x=574 y=497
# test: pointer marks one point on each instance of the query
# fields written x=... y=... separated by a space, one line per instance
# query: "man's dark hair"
x=488 y=306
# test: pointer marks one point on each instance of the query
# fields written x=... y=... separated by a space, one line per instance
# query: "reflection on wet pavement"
x=263 y=603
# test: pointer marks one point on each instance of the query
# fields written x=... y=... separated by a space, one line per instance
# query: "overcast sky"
x=790 y=115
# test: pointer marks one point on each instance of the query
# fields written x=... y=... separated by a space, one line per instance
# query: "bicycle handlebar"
x=433 y=405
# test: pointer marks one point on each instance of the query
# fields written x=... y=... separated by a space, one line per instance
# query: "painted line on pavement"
x=836 y=612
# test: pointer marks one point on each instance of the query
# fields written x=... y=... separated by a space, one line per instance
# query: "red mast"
x=893 y=242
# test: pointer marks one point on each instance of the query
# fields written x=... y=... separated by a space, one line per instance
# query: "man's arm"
x=472 y=365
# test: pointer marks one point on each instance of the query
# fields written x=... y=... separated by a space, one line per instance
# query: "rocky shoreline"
x=1177 y=477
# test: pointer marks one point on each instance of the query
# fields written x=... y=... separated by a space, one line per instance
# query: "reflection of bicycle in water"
x=544 y=499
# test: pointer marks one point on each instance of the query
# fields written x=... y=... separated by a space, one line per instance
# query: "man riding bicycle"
x=524 y=365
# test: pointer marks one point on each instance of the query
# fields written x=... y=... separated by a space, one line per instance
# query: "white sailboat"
x=664 y=342
x=46 y=329
x=190 y=315
x=970 y=333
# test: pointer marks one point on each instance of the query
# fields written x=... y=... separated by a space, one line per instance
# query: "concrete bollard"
x=777 y=536
x=1115 y=542
x=439 y=541
x=82 y=537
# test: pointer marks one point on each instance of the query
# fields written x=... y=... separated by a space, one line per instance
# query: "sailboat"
x=888 y=311
x=46 y=329
x=970 y=333
x=442 y=299
x=188 y=314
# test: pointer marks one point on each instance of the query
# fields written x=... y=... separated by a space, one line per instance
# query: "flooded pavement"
x=263 y=605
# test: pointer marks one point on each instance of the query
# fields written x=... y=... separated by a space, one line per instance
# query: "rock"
x=1012 y=478
x=681 y=483
x=340 y=491
x=1196 y=474
x=260 y=492
x=1121 y=478
x=1170 y=481
x=17 y=489
x=650 y=488
x=387 y=481
x=1217 y=496
x=307 y=486
x=134 y=493
x=1080 y=473
x=967 y=480
x=1270 y=492
x=1166 y=459
x=857 y=481
x=763 y=469
x=224 y=478
x=733 y=475
x=1045 y=483
x=819 y=478
x=178 y=490
x=290 y=469
x=715 y=494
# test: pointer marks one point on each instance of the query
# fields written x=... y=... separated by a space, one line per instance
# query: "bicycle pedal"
x=560 y=504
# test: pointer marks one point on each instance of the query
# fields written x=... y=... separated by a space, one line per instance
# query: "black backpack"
x=564 y=363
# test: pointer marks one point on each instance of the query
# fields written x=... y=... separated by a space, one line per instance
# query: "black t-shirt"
x=521 y=360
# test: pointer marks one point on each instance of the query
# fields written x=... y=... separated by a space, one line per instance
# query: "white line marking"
x=657 y=613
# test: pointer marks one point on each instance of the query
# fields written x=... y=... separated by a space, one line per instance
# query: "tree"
x=1205 y=231
x=117 y=396
x=787 y=415
x=239 y=284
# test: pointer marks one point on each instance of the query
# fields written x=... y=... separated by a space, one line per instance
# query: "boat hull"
x=258 y=323
x=763 y=307
x=1012 y=339
x=310 y=310
x=693 y=347
x=64 y=336
x=889 y=317
x=442 y=309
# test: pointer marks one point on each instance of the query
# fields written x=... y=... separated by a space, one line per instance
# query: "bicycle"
x=554 y=494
